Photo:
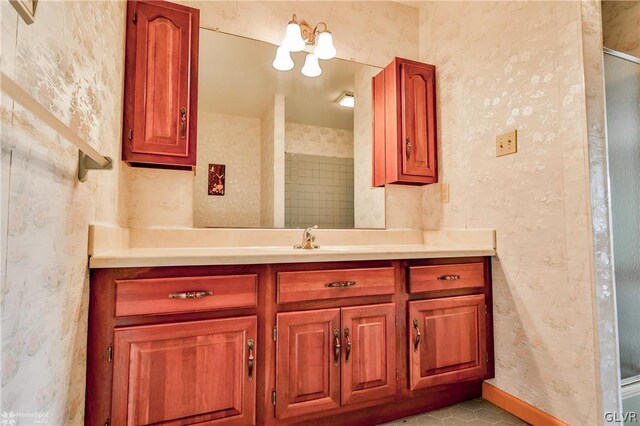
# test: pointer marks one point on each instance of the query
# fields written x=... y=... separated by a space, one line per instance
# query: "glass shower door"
x=622 y=82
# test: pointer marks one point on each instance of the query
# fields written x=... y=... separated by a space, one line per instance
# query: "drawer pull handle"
x=250 y=345
x=191 y=295
x=336 y=355
x=416 y=342
x=340 y=284
x=347 y=349
x=449 y=277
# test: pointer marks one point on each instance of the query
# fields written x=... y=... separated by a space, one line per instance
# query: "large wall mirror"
x=276 y=149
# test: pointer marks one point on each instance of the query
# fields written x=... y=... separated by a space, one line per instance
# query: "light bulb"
x=311 y=67
x=324 y=49
x=293 y=41
x=283 y=61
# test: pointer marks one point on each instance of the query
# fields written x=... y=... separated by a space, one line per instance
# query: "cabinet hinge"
x=110 y=353
x=396 y=320
x=397 y=375
x=275 y=334
x=273 y=397
x=486 y=310
x=135 y=16
x=130 y=134
x=486 y=357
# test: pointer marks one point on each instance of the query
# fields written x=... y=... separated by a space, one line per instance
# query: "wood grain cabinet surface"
x=447 y=340
x=404 y=124
x=161 y=85
x=185 y=373
x=272 y=345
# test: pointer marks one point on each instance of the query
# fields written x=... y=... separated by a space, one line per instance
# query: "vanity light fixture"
x=347 y=100
x=297 y=36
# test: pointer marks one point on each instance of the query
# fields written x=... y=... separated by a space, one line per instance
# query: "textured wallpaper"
x=621 y=26
x=518 y=65
x=235 y=142
x=316 y=140
x=367 y=32
x=78 y=76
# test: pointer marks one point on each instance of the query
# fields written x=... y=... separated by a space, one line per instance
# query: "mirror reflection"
x=277 y=148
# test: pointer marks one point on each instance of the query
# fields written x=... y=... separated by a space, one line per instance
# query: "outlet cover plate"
x=507 y=143
x=444 y=192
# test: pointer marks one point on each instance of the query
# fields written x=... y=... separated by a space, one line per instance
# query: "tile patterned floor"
x=474 y=412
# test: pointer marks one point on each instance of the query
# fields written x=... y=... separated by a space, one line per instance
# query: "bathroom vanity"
x=330 y=342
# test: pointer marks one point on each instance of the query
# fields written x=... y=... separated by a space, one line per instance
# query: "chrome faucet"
x=308 y=239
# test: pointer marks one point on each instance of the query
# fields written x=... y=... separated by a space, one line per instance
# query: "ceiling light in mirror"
x=283 y=61
x=347 y=100
x=324 y=49
x=311 y=67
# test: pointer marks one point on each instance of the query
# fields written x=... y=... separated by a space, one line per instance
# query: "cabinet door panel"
x=307 y=377
x=419 y=122
x=184 y=373
x=452 y=342
x=162 y=81
x=369 y=370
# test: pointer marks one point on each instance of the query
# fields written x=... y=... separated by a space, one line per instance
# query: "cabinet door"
x=418 y=120
x=185 y=373
x=162 y=50
x=447 y=340
x=308 y=362
x=369 y=348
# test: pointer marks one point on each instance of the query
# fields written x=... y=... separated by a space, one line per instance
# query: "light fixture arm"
x=308 y=35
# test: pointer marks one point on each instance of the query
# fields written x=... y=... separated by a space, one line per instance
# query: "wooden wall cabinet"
x=161 y=85
x=404 y=124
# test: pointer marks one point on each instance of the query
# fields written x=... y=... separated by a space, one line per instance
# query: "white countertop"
x=113 y=247
x=146 y=257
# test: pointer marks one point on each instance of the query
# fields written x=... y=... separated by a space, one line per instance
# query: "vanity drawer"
x=302 y=286
x=445 y=277
x=184 y=294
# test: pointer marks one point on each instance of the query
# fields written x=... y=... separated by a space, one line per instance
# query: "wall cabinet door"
x=161 y=84
x=308 y=362
x=369 y=347
x=404 y=124
x=418 y=120
x=447 y=340
x=185 y=373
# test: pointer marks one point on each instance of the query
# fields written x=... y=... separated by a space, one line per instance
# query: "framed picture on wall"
x=26 y=9
x=216 y=179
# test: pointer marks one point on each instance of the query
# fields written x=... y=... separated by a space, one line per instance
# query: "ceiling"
x=236 y=78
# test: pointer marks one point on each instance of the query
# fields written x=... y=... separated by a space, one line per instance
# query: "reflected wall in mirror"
x=294 y=157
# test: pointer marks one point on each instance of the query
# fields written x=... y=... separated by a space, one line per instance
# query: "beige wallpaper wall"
x=518 y=65
x=78 y=75
x=621 y=26
x=235 y=142
x=317 y=140
x=367 y=32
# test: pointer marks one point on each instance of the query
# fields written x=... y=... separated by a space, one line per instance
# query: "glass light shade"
x=283 y=61
x=311 y=67
x=324 y=47
x=293 y=41
x=347 y=100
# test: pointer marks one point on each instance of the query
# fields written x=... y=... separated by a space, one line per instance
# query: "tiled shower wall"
x=318 y=191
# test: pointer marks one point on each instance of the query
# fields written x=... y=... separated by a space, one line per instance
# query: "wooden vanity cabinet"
x=185 y=373
x=404 y=124
x=309 y=343
x=447 y=340
x=161 y=85
x=329 y=358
